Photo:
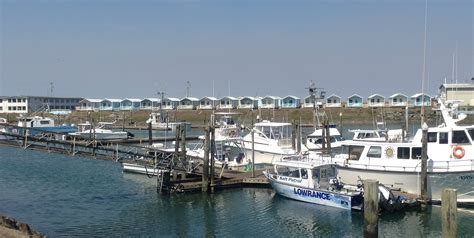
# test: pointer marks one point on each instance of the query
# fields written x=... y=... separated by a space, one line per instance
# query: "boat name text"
x=289 y=179
x=466 y=177
x=314 y=194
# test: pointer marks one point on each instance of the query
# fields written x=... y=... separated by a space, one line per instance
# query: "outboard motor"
x=388 y=201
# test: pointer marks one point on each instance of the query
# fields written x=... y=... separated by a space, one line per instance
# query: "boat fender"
x=458 y=152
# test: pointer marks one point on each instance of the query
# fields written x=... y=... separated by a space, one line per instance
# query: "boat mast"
x=424 y=68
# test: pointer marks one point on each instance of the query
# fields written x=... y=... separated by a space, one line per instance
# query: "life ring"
x=458 y=152
x=232 y=133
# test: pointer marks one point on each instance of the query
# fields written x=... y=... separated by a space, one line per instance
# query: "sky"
x=137 y=48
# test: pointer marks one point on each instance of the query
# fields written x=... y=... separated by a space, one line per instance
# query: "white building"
x=29 y=104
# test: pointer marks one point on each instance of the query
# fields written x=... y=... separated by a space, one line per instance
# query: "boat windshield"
x=276 y=132
x=471 y=133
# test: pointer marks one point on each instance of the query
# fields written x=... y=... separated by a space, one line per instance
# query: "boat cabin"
x=305 y=175
x=36 y=121
x=280 y=131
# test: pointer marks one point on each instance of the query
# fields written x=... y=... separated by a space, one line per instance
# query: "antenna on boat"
x=314 y=95
x=424 y=68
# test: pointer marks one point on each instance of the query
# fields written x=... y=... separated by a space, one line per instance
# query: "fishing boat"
x=4 y=130
x=160 y=123
x=228 y=148
x=271 y=141
x=39 y=125
x=316 y=140
x=312 y=182
x=103 y=131
x=397 y=164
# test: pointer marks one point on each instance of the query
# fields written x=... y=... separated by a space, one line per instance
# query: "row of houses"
x=269 y=102
x=29 y=104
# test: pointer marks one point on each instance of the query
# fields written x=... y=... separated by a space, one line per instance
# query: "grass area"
x=200 y=117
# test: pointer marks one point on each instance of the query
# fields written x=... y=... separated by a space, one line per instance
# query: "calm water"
x=72 y=196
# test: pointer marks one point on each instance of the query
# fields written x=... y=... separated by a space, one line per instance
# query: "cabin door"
x=323 y=180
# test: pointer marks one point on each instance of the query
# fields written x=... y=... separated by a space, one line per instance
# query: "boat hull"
x=409 y=182
x=315 y=196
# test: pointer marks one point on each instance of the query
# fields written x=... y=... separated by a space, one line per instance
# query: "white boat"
x=315 y=140
x=271 y=141
x=228 y=144
x=313 y=182
x=4 y=129
x=158 y=123
x=381 y=133
x=398 y=164
x=317 y=181
x=102 y=132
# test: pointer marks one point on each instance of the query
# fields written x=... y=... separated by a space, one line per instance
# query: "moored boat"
x=313 y=182
x=397 y=164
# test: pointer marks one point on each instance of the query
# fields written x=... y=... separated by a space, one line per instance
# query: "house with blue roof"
x=110 y=104
x=355 y=101
x=333 y=101
x=376 y=100
x=130 y=104
x=170 y=103
x=228 y=102
x=248 y=103
x=398 y=100
x=290 y=102
x=420 y=99
x=271 y=102
x=208 y=103
x=188 y=103
x=149 y=104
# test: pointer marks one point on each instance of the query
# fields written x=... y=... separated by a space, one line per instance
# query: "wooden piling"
x=183 y=140
x=205 y=166
x=150 y=134
x=298 y=137
x=449 y=212
x=371 y=208
x=213 y=152
x=424 y=159
x=293 y=136
x=328 y=136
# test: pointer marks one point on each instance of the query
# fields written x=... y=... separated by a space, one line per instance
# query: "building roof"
x=419 y=94
x=111 y=100
x=398 y=94
x=271 y=97
x=132 y=99
x=290 y=96
x=210 y=98
x=93 y=100
x=247 y=97
x=151 y=99
x=355 y=95
x=229 y=97
x=457 y=85
x=375 y=95
x=172 y=99
x=334 y=95
x=190 y=99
